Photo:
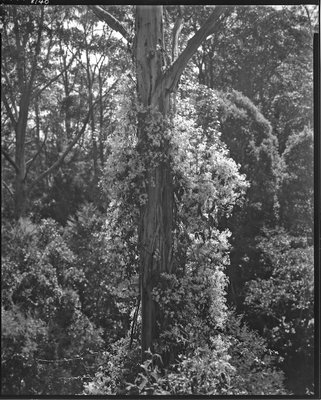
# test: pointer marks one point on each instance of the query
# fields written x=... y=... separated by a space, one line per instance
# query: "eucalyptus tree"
x=156 y=81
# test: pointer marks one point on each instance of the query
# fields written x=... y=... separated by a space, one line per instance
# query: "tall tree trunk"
x=155 y=231
x=26 y=87
x=90 y=82
x=20 y=158
x=67 y=105
x=102 y=138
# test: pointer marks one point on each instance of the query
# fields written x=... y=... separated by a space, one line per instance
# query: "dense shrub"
x=296 y=191
x=235 y=362
x=282 y=305
x=108 y=265
x=47 y=341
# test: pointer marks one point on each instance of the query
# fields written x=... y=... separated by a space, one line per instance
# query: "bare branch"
x=8 y=157
x=111 y=21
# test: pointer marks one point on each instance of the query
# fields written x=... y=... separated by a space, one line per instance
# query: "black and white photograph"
x=159 y=200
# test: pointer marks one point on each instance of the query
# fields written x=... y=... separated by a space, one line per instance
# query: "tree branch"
x=111 y=21
x=309 y=18
x=55 y=77
x=171 y=77
x=19 y=58
x=64 y=154
x=63 y=360
x=8 y=188
x=32 y=160
x=9 y=83
x=8 y=157
x=176 y=32
x=9 y=111
x=37 y=51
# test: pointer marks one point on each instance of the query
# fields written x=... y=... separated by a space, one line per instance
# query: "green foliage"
x=234 y=362
x=254 y=363
x=70 y=322
x=21 y=338
x=61 y=79
x=119 y=366
x=266 y=54
x=201 y=159
x=105 y=251
x=273 y=67
x=296 y=191
x=248 y=136
x=190 y=303
x=205 y=371
x=207 y=186
x=192 y=307
x=63 y=199
x=284 y=304
x=46 y=339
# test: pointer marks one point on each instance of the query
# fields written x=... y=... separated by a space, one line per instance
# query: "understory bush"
x=281 y=306
x=195 y=349
x=236 y=362
x=46 y=339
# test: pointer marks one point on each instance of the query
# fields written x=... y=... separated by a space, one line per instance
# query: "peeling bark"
x=176 y=32
x=155 y=231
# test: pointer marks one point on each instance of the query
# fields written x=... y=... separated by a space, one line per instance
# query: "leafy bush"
x=255 y=364
x=47 y=341
x=236 y=362
x=190 y=303
x=283 y=302
x=22 y=337
x=105 y=252
x=120 y=365
x=296 y=191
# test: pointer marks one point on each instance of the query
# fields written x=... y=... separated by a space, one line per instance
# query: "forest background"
x=232 y=309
